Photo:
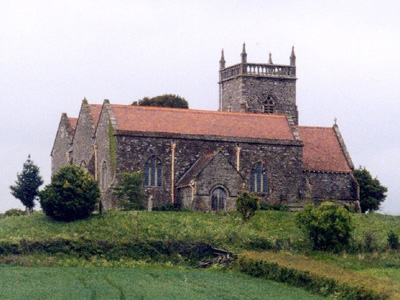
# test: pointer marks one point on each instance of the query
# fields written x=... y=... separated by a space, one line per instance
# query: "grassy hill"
x=171 y=236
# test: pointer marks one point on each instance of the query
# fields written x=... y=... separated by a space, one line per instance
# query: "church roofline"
x=188 y=122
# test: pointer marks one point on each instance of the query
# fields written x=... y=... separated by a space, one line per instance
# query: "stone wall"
x=105 y=168
x=84 y=139
x=281 y=160
x=62 y=145
x=339 y=187
x=217 y=173
x=254 y=91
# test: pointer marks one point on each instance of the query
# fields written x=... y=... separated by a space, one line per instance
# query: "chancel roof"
x=95 y=110
x=72 y=122
x=322 y=150
x=201 y=122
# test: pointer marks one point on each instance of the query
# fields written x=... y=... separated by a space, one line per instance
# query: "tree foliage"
x=246 y=205
x=166 y=100
x=328 y=226
x=27 y=185
x=72 y=195
x=372 y=193
x=129 y=190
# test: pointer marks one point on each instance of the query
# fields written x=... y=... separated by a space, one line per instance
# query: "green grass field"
x=267 y=228
x=139 y=283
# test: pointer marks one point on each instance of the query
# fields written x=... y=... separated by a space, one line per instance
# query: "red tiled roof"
x=95 y=110
x=72 y=122
x=322 y=151
x=201 y=122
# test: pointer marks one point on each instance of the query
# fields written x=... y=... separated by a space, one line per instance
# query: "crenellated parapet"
x=259 y=70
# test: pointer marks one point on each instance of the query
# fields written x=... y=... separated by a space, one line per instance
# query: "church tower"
x=258 y=88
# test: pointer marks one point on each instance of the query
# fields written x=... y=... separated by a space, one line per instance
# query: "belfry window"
x=258 y=179
x=269 y=105
x=153 y=172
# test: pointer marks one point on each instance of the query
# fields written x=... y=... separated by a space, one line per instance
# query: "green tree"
x=166 y=100
x=328 y=226
x=246 y=205
x=129 y=190
x=372 y=193
x=27 y=185
x=72 y=195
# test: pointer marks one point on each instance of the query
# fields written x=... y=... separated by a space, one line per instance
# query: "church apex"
x=270 y=59
x=84 y=101
x=292 y=58
x=222 y=61
x=244 y=54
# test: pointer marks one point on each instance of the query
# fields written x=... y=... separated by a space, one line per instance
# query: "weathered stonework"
x=84 y=139
x=61 y=154
x=248 y=86
x=282 y=161
x=185 y=163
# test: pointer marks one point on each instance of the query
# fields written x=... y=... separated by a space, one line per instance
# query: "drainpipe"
x=95 y=161
x=173 y=145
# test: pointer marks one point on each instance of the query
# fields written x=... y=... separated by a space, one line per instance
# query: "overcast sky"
x=55 y=53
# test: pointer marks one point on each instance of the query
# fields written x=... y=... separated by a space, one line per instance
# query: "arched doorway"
x=218 y=199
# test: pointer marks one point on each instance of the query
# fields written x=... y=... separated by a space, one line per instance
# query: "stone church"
x=204 y=159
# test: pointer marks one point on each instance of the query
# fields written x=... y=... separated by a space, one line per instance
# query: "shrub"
x=393 y=240
x=370 y=242
x=328 y=227
x=14 y=212
x=246 y=205
x=129 y=190
x=72 y=195
x=274 y=206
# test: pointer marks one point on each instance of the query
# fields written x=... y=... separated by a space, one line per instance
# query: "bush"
x=72 y=195
x=328 y=227
x=274 y=206
x=393 y=240
x=370 y=242
x=246 y=205
x=129 y=190
x=14 y=212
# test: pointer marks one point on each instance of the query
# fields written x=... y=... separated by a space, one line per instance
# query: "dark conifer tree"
x=27 y=185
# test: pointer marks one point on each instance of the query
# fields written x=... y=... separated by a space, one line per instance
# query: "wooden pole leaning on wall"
x=238 y=158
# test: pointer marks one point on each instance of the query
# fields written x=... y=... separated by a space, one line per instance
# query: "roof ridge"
x=204 y=111
x=314 y=127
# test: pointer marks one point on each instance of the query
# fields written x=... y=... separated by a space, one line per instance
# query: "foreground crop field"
x=139 y=283
x=120 y=239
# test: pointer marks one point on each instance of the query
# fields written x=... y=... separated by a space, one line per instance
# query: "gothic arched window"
x=269 y=105
x=153 y=172
x=218 y=199
x=258 y=179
